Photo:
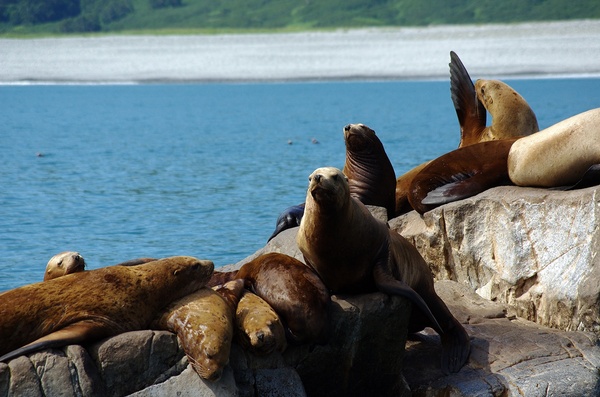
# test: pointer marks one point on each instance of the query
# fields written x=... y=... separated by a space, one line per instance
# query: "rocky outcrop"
x=529 y=254
x=536 y=250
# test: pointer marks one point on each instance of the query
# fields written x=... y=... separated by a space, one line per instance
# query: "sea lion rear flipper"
x=72 y=334
x=470 y=111
x=590 y=178
x=464 y=188
x=385 y=282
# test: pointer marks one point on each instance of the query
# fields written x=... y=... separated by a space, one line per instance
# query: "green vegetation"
x=22 y=17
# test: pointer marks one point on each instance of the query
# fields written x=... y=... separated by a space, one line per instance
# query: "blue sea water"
x=123 y=171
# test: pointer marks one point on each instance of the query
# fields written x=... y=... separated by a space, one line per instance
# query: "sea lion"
x=259 y=328
x=352 y=252
x=459 y=174
x=64 y=263
x=203 y=322
x=559 y=155
x=370 y=174
x=512 y=117
x=369 y=171
x=564 y=155
x=294 y=291
x=94 y=304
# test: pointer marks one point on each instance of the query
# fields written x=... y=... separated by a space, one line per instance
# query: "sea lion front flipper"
x=463 y=188
x=72 y=334
x=470 y=111
x=289 y=218
x=385 y=282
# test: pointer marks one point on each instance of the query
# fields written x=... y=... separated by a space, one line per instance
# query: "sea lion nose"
x=317 y=178
x=347 y=127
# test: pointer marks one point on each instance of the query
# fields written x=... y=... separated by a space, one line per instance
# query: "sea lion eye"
x=310 y=178
x=60 y=264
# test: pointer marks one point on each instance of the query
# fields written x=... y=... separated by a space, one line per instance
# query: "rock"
x=534 y=250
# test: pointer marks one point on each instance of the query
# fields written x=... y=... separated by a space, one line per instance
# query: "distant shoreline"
x=524 y=50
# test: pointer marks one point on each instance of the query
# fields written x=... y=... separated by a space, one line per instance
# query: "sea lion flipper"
x=590 y=178
x=385 y=282
x=470 y=111
x=72 y=334
x=289 y=218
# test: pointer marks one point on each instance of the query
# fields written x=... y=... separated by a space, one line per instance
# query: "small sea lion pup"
x=370 y=175
x=101 y=303
x=353 y=252
x=64 y=263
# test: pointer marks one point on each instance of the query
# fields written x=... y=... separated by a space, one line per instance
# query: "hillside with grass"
x=22 y=17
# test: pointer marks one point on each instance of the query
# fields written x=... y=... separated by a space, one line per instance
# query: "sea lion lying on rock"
x=94 y=304
x=352 y=252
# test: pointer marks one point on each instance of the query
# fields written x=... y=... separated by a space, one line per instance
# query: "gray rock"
x=533 y=249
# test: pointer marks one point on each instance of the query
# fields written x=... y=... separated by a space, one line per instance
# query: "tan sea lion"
x=369 y=171
x=559 y=155
x=94 y=304
x=511 y=117
x=64 y=263
x=353 y=252
x=203 y=322
x=259 y=328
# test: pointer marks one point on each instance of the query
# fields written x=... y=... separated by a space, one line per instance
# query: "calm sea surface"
x=122 y=171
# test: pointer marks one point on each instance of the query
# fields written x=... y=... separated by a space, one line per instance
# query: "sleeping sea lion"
x=259 y=328
x=94 y=304
x=203 y=322
x=294 y=291
x=512 y=117
x=564 y=155
x=352 y=252
x=64 y=263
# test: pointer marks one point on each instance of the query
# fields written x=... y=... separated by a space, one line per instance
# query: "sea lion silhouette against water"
x=94 y=304
x=352 y=252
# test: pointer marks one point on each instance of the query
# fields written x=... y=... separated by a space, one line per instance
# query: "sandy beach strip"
x=528 y=49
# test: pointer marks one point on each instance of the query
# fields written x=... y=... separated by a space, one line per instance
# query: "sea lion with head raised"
x=370 y=174
x=96 y=303
x=64 y=263
x=353 y=252
x=512 y=117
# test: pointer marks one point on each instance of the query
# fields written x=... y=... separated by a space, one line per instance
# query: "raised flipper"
x=288 y=219
x=461 y=173
x=470 y=111
x=72 y=334
x=137 y=261
x=385 y=282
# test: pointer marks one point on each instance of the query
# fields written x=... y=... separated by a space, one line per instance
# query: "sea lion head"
x=360 y=139
x=328 y=187
x=64 y=263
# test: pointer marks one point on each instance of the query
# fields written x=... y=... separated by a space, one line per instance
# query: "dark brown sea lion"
x=459 y=174
x=94 y=304
x=369 y=171
x=512 y=117
x=353 y=252
x=296 y=294
x=565 y=156
x=64 y=263
x=204 y=324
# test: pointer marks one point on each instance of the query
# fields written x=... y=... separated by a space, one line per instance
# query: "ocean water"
x=123 y=171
